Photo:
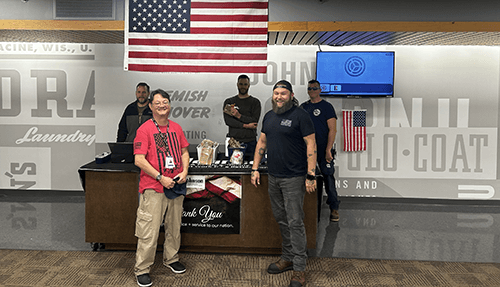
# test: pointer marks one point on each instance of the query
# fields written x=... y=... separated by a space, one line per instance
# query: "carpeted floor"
x=75 y=268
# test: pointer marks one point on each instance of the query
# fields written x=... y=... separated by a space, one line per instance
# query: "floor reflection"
x=368 y=229
x=38 y=222
x=403 y=232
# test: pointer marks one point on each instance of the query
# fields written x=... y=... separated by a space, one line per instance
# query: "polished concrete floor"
x=369 y=228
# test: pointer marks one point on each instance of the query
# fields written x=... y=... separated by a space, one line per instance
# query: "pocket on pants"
x=143 y=228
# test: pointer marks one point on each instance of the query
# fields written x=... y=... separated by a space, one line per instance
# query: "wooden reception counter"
x=111 y=201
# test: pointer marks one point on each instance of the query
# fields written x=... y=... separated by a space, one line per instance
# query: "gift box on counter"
x=207 y=154
x=232 y=149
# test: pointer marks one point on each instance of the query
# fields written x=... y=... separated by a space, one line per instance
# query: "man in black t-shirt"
x=288 y=136
x=135 y=114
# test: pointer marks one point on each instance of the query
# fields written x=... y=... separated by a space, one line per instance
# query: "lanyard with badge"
x=169 y=160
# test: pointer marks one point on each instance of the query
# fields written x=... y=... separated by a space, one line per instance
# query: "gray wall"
x=314 y=10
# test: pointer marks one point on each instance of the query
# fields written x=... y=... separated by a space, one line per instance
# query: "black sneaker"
x=144 y=280
x=177 y=267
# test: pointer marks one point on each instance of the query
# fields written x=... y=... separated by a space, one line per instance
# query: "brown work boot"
x=298 y=279
x=280 y=267
x=334 y=216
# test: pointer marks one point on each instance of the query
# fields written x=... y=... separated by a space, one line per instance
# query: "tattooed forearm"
x=310 y=154
x=262 y=151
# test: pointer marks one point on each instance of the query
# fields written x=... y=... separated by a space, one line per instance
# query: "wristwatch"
x=310 y=177
x=158 y=177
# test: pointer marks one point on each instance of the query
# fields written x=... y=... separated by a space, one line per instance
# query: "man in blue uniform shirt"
x=325 y=124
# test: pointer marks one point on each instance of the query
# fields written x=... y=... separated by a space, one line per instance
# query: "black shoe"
x=144 y=280
x=177 y=267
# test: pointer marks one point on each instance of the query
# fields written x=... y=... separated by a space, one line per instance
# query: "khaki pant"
x=154 y=209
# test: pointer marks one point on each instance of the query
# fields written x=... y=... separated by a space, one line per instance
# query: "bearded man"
x=288 y=136
x=135 y=114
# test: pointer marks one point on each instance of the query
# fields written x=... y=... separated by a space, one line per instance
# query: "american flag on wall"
x=354 y=123
x=197 y=36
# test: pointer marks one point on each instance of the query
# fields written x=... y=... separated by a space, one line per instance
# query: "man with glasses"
x=324 y=118
x=134 y=115
x=161 y=152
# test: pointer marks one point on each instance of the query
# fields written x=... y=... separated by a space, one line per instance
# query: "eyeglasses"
x=312 y=88
x=164 y=103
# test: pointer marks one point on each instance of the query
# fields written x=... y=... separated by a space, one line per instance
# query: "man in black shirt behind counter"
x=135 y=114
x=241 y=115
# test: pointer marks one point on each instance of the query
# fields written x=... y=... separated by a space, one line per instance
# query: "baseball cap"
x=283 y=84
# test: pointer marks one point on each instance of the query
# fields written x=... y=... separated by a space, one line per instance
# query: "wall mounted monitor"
x=356 y=74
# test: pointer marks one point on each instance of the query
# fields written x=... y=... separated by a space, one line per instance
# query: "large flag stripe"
x=193 y=62
x=185 y=49
x=195 y=43
x=196 y=69
x=209 y=56
x=228 y=5
x=245 y=31
x=224 y=18
x=200 y=37
x=200 y=24
x=255 y=12
x=223 y=1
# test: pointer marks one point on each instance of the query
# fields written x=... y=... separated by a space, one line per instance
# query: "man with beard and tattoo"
x=242 y=115
x=135 y=114
x=288 y=136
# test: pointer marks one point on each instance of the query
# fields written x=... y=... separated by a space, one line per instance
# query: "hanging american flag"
x=354 y=123
x=198 y=36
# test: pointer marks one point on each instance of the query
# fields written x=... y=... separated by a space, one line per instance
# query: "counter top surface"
x=220 y=166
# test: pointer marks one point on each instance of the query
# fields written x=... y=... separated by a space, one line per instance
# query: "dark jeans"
x=287 y=200
x=327 y=171
x=250 y=150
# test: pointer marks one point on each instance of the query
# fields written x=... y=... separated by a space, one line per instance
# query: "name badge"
x=169 y=162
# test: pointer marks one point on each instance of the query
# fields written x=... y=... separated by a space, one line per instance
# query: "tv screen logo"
x=355 y=66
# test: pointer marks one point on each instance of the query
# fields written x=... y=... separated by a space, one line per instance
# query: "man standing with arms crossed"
x=161 y=152
x=325 y=125
x=288 y=135
x=242 y=116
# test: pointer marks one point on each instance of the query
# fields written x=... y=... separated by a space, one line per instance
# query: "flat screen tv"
x=356 y=74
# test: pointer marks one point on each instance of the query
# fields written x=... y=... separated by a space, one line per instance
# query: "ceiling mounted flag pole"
x=196 y=36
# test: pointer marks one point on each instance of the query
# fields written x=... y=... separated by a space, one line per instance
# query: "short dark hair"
x=161 y=92
x=314 y=82
x=142 y=84
x=243 y=76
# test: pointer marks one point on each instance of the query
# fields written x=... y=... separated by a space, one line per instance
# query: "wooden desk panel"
x=111 y=201
x=111 y=205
